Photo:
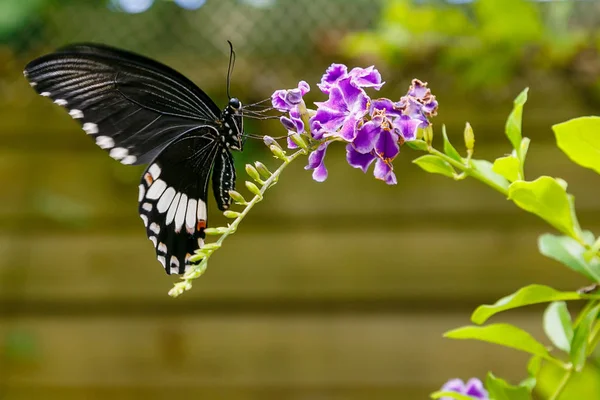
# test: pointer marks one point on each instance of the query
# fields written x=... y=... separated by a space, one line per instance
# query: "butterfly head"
x=233 y=128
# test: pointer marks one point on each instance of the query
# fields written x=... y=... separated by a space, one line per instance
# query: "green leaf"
x=548 y=199
x=485 y=168
x=434 y=164
x=580 y=338
x=513 y=124
x=558 y=325
x=508 y=167
x=452 y=395
x=532 y=294
x=417 y=145
x=579 y=139
x=499 y=389
x=503 y=334
x=570 y=253
x=533 y=369
x=448 y=148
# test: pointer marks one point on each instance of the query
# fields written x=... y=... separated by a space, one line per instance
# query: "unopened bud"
x=253 y=173
x=278 y=152
x=262 y=170
x=253 y=188
x=269 y=141
x=469 y=138
x=230 y=214
x=428 y=134
x=296 y=138
x=195 y=272
x=237 y=197
x=179 y=288
x=215 y=231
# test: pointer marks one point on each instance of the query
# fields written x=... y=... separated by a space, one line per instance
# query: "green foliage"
x=514 y=121
x=579 y=139
x=532 y=294
x=558 y=325
x=503 y=334
x=435 y=165
x=452 y=395
x=579 y=344
x=549 y=200
x=449 y=150
x=570 y=253
x=508 y=167
x=486 y=170
x=499 y=389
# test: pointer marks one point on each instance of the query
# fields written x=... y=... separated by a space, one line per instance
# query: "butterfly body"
x=143 y=112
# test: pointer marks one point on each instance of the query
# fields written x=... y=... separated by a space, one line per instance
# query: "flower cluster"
x=373 y=129
x=473 y=388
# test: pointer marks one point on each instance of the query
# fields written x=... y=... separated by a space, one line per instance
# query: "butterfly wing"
x=173 y=197
x=132 y=106
x=223 y=178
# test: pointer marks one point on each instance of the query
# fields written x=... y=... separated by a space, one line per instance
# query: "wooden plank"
x=418 y=263
x=249 y=351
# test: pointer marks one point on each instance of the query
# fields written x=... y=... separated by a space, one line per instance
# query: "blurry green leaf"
x=15 y=14
x=434 y=164
x=532 y=294
x=485 y=168
x=546 y=198
x=558 y=325
x=452 y=395
x=503 y=334
x=579 y=139
x=497 y=19
x=499 y=389
x=523 y=150
x=513 y=124
x=508 y=167
x=579 y=345
x=533 y=368
x=570 y=253
x=417 y=145
x=584 y=385
x=448 y=148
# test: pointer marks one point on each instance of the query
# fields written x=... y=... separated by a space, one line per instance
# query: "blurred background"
x=335 y=290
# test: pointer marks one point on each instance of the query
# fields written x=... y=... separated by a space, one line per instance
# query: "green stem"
x=466 y=168
x=197 y=270
x=562 y=384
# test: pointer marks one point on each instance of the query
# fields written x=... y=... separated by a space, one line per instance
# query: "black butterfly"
x=143 y=112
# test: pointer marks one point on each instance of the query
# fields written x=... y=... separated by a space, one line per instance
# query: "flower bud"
x=196 y=271
x=428 y=134
x=215 y=231
x=469 y=138
x=269 y=141
x=253 y=188
x=296 y=138
x=262 y=170
x=230 y=214
x=179 y=288
x=253 y=173
x=237 y=197
x=278 y=152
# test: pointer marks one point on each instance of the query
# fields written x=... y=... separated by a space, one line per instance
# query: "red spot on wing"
x=148 y=178
x=201 y=225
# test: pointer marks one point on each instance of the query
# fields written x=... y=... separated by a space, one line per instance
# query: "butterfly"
x=143 y=112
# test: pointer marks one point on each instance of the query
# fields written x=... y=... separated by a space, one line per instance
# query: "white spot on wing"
x=145 y=219
x=162 y=247
x=172 y=209
x=174 y=265
x=200 y=243
x=201 y=210
x=90 y=128
x=75 y=113
x=153 y=240
x=154 y=171
x=32 y=84
x=118 y=153
x=129 y=160
x=165 y=200
x=147 y=207
x=60 y=102
x=180 y=215
x=142 y=192
x=190 y=216
x=156 y=189
x=45 y=94
x=105 y=142
x=162 y=260
x=154 y=227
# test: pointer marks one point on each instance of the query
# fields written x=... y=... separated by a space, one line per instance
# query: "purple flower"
x=284 y=100
x=360 y=77
x=419 y=103
x=316 y=161
x=473 y=388
x=338 y=116
x=293 y=124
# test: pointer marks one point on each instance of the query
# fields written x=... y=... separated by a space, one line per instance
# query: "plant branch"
x=562 y=384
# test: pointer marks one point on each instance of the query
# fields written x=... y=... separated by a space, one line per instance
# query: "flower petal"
x=453 y=385
x=334 y=73
x=355 y=98
x=287 y=123
x=366 y=136
x=366 y=77
x=382 y=170
x=304 y=87
x=358 y=160
x=391 y=179
x=387 y=144
x=290 y=143
x=407 y=127
x=475 y=388
x=316 y=161
x=348 y=129
x=391 y=109
x=278 y=101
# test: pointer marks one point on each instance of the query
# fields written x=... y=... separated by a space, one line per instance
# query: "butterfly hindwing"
x=223 y=178
x=132 y=106
x=173 y=198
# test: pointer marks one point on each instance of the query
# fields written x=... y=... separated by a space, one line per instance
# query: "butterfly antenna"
x=230 y=68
